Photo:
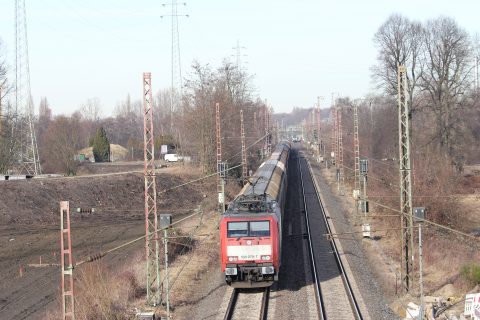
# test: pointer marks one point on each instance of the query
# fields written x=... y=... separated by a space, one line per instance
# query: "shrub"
x=471 y=272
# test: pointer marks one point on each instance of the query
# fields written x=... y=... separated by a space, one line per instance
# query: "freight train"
x=251 y=228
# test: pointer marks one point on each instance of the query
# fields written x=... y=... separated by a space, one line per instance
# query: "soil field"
x=29 y=228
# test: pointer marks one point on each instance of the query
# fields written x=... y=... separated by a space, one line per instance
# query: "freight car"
x=251 y=228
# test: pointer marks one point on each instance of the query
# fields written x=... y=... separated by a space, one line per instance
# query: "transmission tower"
x=405 y=182
x=151 y=225
x=244 y=150
x=176 y=76
x=26 y=150
x=238 y=55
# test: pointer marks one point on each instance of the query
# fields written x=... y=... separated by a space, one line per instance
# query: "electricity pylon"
x=176 y=76
x=25 y=141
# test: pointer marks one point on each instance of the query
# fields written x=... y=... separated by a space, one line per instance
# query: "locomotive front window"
x=237 y=229
x=260 y=228
x=248 y=229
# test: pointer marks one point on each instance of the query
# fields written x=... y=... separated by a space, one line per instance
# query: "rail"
x=232 y=304
x=341 y=270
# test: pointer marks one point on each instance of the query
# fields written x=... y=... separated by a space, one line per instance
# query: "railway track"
x=248 y=305
x=335 y=297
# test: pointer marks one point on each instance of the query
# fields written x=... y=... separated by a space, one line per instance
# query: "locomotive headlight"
x=268 y=270
x=232 y=259
x=230 y=271
x=265 y=257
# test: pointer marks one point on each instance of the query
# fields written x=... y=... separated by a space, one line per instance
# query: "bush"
x=471 y=272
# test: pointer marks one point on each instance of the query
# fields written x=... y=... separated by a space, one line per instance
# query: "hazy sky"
x=297 y=50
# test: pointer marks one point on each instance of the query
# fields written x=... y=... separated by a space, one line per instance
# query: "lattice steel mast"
x=356 y=147
x=176 y=72
x=341 y=176
x=319 y=141
x=406 y=268
x=220 y=165
x=151 y=225
x=26 y=150
x=244 y=150
x=333 y=140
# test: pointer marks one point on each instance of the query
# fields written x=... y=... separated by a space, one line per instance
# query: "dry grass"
x=104 y=295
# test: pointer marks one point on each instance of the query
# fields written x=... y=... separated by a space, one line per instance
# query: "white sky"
x=297 y=50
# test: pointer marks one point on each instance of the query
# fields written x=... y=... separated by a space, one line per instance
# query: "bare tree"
x=446 y=81
x=91 y=109
x=61 y=144
x=400 y=42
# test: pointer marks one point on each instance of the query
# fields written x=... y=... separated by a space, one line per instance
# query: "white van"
x=171 y=157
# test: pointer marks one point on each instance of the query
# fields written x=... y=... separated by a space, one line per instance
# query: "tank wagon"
x=251 y=228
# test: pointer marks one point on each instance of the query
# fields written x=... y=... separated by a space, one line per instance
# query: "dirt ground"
x=29 y=227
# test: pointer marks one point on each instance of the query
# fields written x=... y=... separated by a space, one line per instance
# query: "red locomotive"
x=251 y=228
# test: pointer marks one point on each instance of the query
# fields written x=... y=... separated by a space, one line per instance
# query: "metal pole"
x=222 y=209
x=165 y=241
x=151 y=223
x=68 y=302
x=220 y=186
x=422 y=309
x=244 y=150
x=405 y=182
x=0 y=110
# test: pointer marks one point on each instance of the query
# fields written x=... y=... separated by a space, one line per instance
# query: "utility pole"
x=68 y=302
x=341 y=169
x=267 y=133
x=420 y=218
x=27 y=150
x=406 y=268
x=151 y=225
x=1 y=86
x=176 y=77
x=356 y=151
x=165 y=223
x=319 y=141
x=244 y=150
x=220 y=164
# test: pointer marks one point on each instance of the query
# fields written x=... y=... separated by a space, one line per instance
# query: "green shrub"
x=471 y=272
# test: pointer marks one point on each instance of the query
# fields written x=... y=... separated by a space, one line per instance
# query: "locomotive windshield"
x=237 y=229
x=259 y=228
x=248 y=229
